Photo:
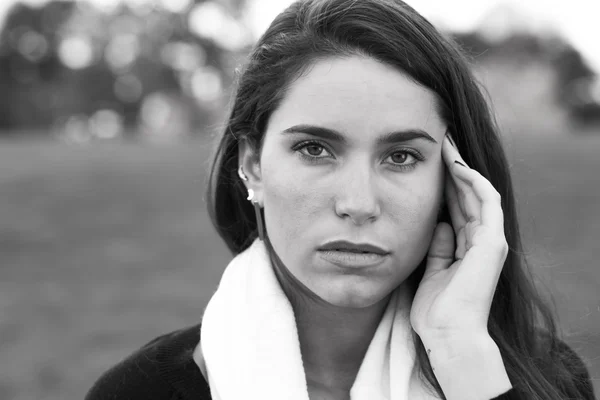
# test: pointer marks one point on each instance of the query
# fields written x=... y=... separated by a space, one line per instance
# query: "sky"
x=576 y=20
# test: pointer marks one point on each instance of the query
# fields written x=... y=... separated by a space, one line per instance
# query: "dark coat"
x=164 y=369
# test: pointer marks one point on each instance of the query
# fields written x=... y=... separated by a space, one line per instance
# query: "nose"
x=356 y=195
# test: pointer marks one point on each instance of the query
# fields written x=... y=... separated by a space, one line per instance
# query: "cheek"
x=416 y=211
x=429 y=193
x=291 y=202
x=414 y=208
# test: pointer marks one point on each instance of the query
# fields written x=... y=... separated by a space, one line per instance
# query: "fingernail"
x=459 y=163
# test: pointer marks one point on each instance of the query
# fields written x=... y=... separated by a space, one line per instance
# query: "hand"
x=455 y=295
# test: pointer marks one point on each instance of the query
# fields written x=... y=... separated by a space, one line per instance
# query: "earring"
x=241 y=174
x=259 y=222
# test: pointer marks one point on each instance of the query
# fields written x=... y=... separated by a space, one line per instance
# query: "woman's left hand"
x=455 y=295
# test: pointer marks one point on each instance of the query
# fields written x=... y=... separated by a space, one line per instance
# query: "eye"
x=404 y=159
x=400 y=157
x=312 y=150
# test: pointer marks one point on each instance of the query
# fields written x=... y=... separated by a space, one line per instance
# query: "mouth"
x=354 y=255
x=357 y=248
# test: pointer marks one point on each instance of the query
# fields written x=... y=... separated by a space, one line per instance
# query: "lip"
x=353 y=260
x=353 y=248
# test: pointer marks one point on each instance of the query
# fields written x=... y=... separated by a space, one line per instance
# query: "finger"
x=486 y=234
x=441 y=250
x=480 y=186
x=461 y=243
x=450 y=152
x=470 y=204
x=488 y=220
x=478 y=275
x=490 y=200
x=457 y=214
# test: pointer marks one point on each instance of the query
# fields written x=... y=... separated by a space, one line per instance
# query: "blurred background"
x=108 y=114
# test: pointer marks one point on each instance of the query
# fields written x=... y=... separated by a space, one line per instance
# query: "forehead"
x=357 y=94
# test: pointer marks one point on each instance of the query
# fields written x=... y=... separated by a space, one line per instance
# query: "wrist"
x=457 y=346
x=468 y=367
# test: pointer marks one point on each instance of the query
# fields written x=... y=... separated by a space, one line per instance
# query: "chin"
x=357 y=295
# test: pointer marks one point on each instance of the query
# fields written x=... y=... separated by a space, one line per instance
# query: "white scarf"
x=249 y=346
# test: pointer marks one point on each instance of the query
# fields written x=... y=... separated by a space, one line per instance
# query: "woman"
x=362 y=187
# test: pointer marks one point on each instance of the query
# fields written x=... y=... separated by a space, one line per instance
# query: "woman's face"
x=352 y=154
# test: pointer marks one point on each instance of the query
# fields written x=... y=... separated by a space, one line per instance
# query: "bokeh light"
x=122 y=51
x=76 y=51
x=183 y=56
x=106 y=124
x=206 y=84
x=211 y=20
x=128 y=88
x=176 y=6
x=32 y=45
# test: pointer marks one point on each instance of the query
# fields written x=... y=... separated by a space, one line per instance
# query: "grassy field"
x=103 y=248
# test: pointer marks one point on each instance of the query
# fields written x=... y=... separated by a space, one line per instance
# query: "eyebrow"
x=388 y=138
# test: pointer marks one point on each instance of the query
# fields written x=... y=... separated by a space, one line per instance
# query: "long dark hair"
x=521 y=322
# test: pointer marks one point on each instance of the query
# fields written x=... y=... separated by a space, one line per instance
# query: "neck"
x=333 y=339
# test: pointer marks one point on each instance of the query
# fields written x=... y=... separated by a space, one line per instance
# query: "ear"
x=249 y=159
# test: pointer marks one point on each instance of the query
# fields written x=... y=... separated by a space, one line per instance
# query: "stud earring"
x=259 y=221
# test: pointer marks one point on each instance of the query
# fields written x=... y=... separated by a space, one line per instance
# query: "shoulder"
x=163 y=368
